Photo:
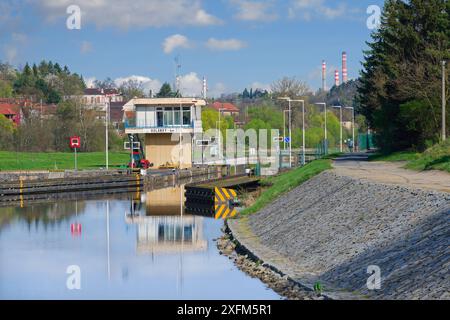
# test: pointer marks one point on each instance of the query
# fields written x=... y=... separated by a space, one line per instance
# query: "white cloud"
x=259 y=85
x=147 y=83
x=125 y=14
x=217 y=90
x=86 y=47
x=191 y=85
x=10 y=53
x=12 y=49
x=254 y=10
x=175 y=41
x=225 y=45
x=89 y=82
x=308 y=9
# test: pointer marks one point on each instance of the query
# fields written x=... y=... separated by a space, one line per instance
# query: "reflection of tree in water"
x=37 y=215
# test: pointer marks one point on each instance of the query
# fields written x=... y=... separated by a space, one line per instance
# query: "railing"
x=132 y=124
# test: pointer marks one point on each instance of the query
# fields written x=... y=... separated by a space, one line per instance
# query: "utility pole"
x=106 y=132
x=353 y=123
x=340 y=120
x=444 y=135
x=325 y=133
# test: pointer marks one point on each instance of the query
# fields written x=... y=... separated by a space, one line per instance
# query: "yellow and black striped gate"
x=224 y=203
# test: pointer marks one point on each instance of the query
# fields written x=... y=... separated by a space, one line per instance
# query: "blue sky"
x=234 y=43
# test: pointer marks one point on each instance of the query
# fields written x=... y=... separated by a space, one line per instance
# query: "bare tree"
x=290 y=87
x=132 y=89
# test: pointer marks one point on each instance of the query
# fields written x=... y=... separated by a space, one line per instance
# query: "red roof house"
x=225 y=107
x=11 y=112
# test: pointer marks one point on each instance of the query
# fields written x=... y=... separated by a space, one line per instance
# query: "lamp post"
x=353 y=124
x=340 y=125
x=108 y=106
x=326 y=132
x=284 y=129
x=444 y=133
x=303 y=130
x=219 y=132
x=289 y=100
x=290 y=128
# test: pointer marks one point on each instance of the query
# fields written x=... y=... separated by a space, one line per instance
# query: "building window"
x=168 y=117
x=159 y=117
x=177 y=117
x=186 y=116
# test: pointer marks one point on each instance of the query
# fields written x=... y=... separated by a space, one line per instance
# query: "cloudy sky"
x=234 y=43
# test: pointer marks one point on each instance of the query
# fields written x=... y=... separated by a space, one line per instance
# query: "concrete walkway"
x=392 y=173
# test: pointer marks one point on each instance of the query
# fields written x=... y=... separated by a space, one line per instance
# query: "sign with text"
x=75 y=142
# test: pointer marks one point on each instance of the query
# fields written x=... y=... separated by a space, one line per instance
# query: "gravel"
x=335 y=227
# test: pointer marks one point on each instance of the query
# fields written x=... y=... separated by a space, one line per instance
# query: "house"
x=11 y=110
x=226 y=108
x=116 y=114
x=169 y=126
x=98 y=98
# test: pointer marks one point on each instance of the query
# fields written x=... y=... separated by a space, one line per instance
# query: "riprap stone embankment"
x=331 y=228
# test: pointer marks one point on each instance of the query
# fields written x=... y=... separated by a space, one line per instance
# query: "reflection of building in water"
x=161 y=225
x=164 y=202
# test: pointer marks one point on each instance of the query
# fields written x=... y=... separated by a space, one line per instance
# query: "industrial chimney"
x=344 y=67
x=324 y=75
x=336 y=78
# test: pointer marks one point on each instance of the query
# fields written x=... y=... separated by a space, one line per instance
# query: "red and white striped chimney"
x=344 y=67
x=336 y=78
x=324 y=75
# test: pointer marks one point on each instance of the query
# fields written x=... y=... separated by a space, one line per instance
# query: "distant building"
x=12 y=112
x=226 y=108
x=160 y=120
x=98 y=98
x=116 y=114
x=18 y=109
x=347 y=125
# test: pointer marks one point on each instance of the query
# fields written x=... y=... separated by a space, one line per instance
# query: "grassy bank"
x=278 y=185
x=435 y=158
x=59 y=160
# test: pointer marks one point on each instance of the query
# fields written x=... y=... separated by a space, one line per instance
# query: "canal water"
x=132 y=246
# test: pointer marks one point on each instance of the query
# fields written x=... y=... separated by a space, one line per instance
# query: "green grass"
x=435 y=158
x=285 y=182
x=60 y=160
x=394 y=157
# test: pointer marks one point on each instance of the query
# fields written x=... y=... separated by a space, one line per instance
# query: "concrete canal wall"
x=19 y=186
x=332 y=228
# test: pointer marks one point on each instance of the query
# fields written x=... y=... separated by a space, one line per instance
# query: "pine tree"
x=399 y=91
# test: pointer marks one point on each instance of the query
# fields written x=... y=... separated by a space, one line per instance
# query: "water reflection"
x=162 y=225
x=140 y=247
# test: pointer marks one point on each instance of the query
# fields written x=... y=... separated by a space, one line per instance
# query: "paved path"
x=333 y=227
x=357 y=166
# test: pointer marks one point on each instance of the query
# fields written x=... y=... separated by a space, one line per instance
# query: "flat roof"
x=129 y=106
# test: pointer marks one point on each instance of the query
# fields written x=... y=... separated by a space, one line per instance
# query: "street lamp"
x=303 y=130
x=108 y=106
x=444 y=133
x=218 y=130
x=289 y=100
x=340 y=122
x=325 y=111
x=290 y=129
x=284 y=129
x=353 y=123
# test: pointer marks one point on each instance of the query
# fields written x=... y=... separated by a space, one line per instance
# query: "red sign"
x=75 y=229
x=75 y=142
